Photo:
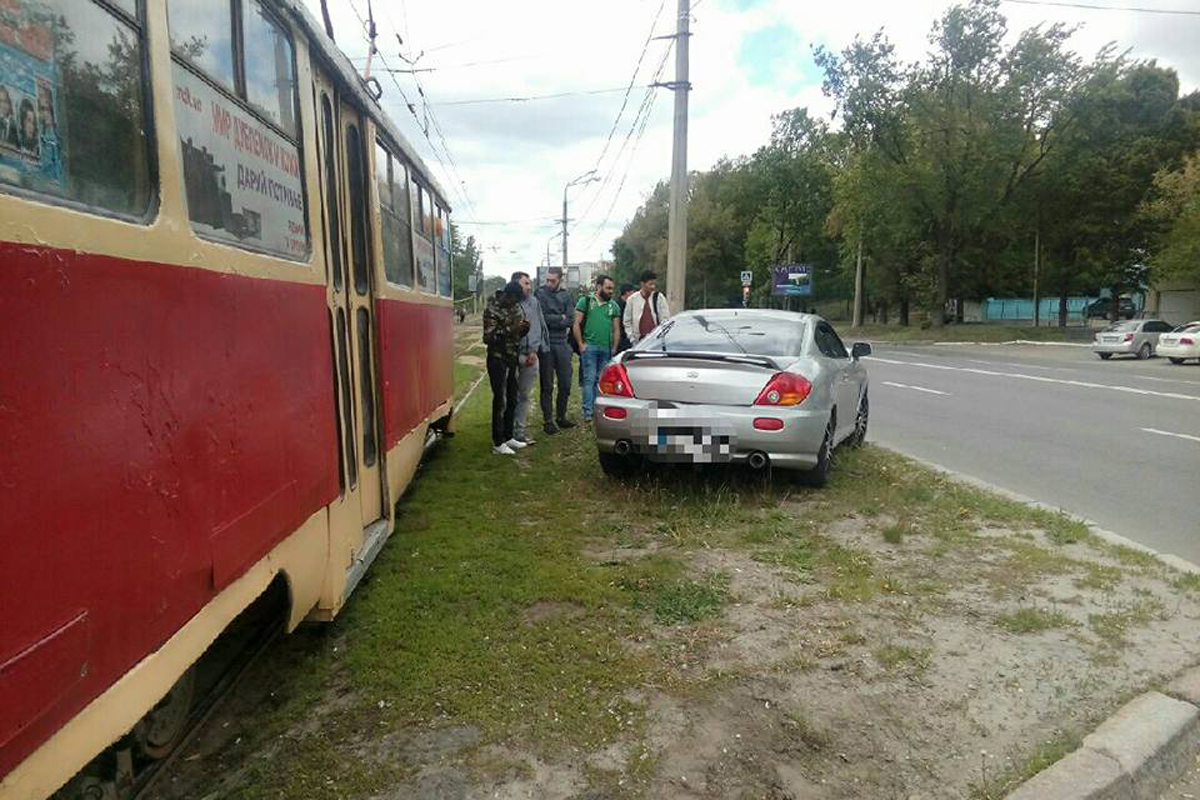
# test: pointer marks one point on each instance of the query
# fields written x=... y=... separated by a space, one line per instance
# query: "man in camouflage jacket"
x=503 y=327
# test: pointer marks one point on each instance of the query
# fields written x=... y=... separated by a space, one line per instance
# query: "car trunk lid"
x=709 y=378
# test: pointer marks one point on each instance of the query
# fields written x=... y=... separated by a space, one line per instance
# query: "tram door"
x=352 y=319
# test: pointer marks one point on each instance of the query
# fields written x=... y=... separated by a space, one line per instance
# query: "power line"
x=528 y=98
x=1094 y=7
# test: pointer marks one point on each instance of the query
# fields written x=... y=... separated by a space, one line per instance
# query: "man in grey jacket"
x=533 y=344
x=558 y=313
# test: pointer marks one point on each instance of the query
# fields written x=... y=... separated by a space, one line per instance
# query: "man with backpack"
x=645 y=309
x=597 y=332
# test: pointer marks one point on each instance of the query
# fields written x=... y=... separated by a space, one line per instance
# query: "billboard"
x=31 y=134
x=790 y=280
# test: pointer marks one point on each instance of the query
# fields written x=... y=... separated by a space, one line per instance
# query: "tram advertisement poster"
x=30 y=153
x=242 y=178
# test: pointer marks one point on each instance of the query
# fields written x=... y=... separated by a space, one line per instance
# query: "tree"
x=1173 y=213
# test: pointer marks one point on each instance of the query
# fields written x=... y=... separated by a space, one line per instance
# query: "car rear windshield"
x=727 y=334
x=1124 y=326
x=1190 y=329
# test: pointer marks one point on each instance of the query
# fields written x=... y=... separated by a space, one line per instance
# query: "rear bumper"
x=1115 y=347
x=1178 y=350
x=795 y=446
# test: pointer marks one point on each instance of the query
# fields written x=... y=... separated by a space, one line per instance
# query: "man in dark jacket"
x=555 y=360
x=503 y=328
x=626 y=290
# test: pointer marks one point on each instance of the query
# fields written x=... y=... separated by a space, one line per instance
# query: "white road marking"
x=1189 y=437
x=1040 y=378
x=915 y=388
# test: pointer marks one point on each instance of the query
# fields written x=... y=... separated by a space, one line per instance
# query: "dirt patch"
x=546 y=610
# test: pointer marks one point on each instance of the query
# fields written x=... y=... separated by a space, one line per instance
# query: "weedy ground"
x=534 y=629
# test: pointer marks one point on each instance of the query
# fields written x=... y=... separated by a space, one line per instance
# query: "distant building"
x=1176 y=302
x=580 y=274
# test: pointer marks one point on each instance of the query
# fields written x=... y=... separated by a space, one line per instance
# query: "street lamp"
x=587 y=177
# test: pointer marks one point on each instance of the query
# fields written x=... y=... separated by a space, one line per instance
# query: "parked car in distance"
x=1136 y=337
x=751 y=386
x=1180 y=344
x=1102 y=308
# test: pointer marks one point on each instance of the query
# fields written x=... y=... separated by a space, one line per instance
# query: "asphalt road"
x=1117 y=442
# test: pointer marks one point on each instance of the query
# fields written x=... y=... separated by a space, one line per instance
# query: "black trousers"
x=556 y=362
x=503 y=378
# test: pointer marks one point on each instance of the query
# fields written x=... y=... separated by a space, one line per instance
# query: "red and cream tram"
x=226 y=335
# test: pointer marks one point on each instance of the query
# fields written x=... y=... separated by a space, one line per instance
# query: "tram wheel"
x=157 y=733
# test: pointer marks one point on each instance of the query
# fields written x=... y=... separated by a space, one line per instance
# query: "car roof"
x=750 y=313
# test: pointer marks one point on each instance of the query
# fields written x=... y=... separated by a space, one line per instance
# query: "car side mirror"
x=859 y=350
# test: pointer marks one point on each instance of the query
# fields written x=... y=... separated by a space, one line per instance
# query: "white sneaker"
x=515 y=444
x=504 y=450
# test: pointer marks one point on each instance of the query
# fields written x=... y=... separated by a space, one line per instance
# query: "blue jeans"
x=591 y=362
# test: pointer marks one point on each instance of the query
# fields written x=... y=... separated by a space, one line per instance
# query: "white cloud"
x=515 y=157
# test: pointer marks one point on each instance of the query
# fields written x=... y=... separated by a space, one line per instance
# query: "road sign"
x=747 y=277
x=792 y=280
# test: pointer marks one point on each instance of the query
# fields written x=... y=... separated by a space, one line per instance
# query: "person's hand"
x=523 y=327
x=531 y=360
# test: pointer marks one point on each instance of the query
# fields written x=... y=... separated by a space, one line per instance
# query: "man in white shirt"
x=645 y=309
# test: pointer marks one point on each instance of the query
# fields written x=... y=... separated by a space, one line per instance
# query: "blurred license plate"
x=1112 y=338
x=699 y=444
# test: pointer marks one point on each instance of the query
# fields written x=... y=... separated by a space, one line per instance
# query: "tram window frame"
x=356 y=184
x=332 y=195
x=366 y=376
x=443 y=246
x=138 y=25
x=401 y=212
x=237 y=95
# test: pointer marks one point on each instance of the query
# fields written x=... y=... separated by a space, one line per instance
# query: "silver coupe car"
x=751 y=386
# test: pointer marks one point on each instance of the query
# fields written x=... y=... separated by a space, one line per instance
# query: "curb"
x=983 y=344
x=1148 y=742
x=1133 y=755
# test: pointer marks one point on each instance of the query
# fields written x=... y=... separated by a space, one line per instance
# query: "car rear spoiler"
x=734 y=358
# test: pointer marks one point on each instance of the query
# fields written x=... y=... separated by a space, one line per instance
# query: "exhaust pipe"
x=623 y=447
x=758 y=460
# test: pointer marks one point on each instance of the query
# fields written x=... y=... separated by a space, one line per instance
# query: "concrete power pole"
x=587 y=177
x=677 y=228
x=858 y=287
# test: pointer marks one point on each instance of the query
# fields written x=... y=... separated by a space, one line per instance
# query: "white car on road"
x=1181 y=343
x=1136 y=337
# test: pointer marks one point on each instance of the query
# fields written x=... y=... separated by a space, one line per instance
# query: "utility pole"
x=858 y=286
x=587 y=177
x=677 y=225
x=1037 y=269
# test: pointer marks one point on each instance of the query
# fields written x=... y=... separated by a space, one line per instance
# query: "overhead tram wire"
x=636 y=129
x=1098 y=7
x=528 y=98
x=437 y=127
x=461 y=191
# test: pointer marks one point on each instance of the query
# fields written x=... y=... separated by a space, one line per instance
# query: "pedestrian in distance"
x=645 y=310
x=533 y=345
x=504 y=326
x=554 y=362
x=597 y=331
x=626 y=290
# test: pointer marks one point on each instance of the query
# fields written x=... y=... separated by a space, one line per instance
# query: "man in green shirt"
x=597 y=331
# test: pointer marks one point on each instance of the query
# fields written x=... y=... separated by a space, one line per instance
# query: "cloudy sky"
x=749 y=59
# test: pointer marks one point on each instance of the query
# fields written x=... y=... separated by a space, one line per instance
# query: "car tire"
x=1144 y=351
x=861 y=420
x=1174 y=360
x=818 y=476
x=1104 y=356
x=617 y=466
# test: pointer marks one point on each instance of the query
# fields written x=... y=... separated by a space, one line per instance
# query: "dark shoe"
x=550 y=428
x=565 y=423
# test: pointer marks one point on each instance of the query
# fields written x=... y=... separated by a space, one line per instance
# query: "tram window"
x=358 y=216
x=392 y=179
x=331 y=189
x=269 y=68
x=343 y=367
x=445 y=277
x=202 y=32
x=366 y=383
x=72 y=116
x=422 y=201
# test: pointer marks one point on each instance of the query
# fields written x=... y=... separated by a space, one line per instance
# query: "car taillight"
x=615 y=412
x=768 y=424
x=1186 y=340
x=784 y=389
x=614 y=381
x=1129 y=337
